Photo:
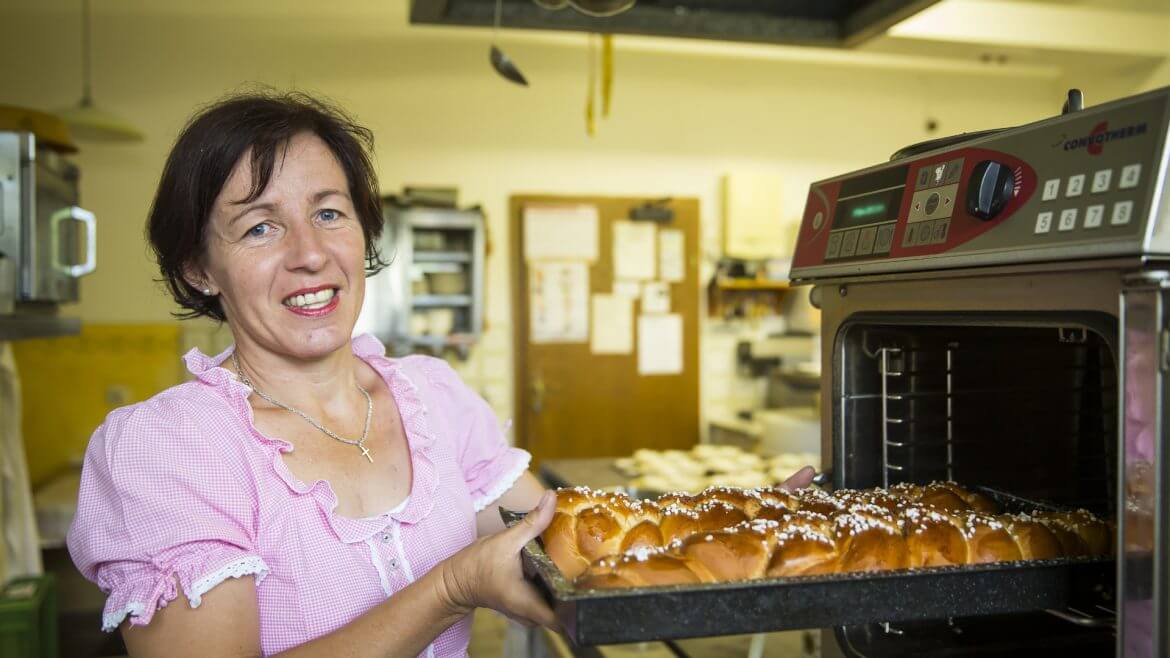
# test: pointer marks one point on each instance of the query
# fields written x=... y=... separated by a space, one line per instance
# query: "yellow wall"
x=70 y=384
x=680 y=120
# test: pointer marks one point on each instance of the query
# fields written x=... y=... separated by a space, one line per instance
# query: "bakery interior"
x=606 y=216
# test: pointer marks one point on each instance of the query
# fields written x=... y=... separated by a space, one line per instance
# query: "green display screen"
x=873 y=208
x=867 y=211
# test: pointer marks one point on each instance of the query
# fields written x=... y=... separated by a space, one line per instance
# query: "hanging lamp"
x=86 y=119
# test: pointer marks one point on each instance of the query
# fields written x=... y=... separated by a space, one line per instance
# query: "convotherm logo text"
x=1094 y=142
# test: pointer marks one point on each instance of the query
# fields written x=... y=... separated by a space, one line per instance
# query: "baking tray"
x=615 y=616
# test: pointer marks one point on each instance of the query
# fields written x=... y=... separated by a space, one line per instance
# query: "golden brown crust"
x=728 y=555
x=933 y=539
x=1035 y=540
x=988 y=539
x=608 y=540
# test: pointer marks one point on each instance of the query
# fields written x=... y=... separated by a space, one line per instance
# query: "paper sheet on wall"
x=671 y=255
x=660 y=345
x=631 y=289
x=558 y=303
x=656 y=297
x=634 y=250
x=560 y=233
x=613 y=324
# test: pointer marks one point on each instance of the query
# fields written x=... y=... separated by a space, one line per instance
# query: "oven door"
x=60 y=237
x=1144 y=527
x=1010 y=379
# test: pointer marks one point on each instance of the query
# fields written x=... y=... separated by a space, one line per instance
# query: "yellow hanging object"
x=606 y=73
x=590 y=119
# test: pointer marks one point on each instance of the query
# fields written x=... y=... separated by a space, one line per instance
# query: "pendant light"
x=86 y=119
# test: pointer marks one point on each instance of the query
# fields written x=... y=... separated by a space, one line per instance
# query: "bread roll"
x=724 y=534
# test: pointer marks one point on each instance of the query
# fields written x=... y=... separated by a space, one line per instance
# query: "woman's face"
x=289 y=267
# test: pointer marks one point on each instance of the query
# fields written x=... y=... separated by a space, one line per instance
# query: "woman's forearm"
x=401 y=626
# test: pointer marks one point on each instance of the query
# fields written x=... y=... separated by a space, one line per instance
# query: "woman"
x=305 y=494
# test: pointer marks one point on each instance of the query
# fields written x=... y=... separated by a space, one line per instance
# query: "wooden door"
x=572 y=403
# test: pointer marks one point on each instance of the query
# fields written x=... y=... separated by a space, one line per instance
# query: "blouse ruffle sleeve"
x=161 y=502
x=490 y=465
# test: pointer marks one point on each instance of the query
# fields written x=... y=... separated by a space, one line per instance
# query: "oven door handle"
x=86 y=217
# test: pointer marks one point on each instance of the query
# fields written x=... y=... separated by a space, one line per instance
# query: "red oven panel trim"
x=814 y=233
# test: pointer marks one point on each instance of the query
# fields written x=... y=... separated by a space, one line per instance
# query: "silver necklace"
x=360 y=442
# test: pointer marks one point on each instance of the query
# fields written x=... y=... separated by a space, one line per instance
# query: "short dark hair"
x=208 y=149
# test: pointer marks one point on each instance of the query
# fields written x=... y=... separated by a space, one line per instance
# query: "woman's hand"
x=799 y=479
x=487 y=574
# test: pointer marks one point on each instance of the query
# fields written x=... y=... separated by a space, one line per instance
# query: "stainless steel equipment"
x=431 y=297
x=997 y=312
x=47 y=241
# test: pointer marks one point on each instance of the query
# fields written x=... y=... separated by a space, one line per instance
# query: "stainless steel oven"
x=996 y=311
x=47 y=241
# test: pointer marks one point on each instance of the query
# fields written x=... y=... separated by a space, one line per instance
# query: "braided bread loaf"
x=604 y=540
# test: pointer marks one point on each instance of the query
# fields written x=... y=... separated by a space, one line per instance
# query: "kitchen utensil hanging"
x=501 y=62
x=606 y=82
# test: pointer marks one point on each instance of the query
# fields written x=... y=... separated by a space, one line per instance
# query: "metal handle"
x=86 y=217
x=1079 y=618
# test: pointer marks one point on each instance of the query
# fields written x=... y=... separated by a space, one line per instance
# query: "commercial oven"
x=996 y=311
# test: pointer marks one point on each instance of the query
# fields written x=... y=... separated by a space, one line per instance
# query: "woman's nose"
x=306 y=250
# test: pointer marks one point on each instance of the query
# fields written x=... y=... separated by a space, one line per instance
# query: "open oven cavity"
x=1023 y=405
x=1029 y=409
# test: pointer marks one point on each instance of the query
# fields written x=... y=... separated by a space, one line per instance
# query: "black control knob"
x=991 y=186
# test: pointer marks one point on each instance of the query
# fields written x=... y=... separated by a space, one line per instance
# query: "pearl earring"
x=207 y=291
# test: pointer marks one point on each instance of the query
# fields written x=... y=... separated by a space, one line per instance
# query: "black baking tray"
x=615 y=616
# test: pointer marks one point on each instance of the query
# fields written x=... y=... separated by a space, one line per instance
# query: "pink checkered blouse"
x=184 y=485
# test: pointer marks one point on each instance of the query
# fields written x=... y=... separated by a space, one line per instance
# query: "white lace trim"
x=112 y=620
x=242 y=567
x=377 y=562
x=503 y=484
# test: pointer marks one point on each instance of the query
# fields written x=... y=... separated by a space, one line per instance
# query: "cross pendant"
x=366 y=454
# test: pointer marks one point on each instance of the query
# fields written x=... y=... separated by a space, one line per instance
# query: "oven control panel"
x=1082 y=185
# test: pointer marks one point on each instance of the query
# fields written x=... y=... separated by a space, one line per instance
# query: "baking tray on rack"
x=615 y=616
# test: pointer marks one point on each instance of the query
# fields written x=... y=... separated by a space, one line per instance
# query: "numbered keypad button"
x=1121 y=213
x=1094 y=215
x=1130 y=175
x=1043 y=222
x=1076 y=185
x=1068 y=219
x=1051 y=189
x=1101 y=181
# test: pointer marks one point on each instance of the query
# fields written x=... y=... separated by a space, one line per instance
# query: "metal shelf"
x=430 y=301
x=455 y=340
x=442 y=256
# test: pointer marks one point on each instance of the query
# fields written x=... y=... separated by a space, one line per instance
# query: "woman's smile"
x=313 y=302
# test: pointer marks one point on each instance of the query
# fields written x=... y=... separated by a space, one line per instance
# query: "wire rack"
x=1022 y=409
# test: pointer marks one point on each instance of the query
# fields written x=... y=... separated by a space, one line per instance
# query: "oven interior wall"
x=1025 y=405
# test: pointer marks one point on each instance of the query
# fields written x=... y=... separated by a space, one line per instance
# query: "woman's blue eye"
x=258 y=230
x=329 y=214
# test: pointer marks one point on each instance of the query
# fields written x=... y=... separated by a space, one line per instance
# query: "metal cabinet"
x=431 y=296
